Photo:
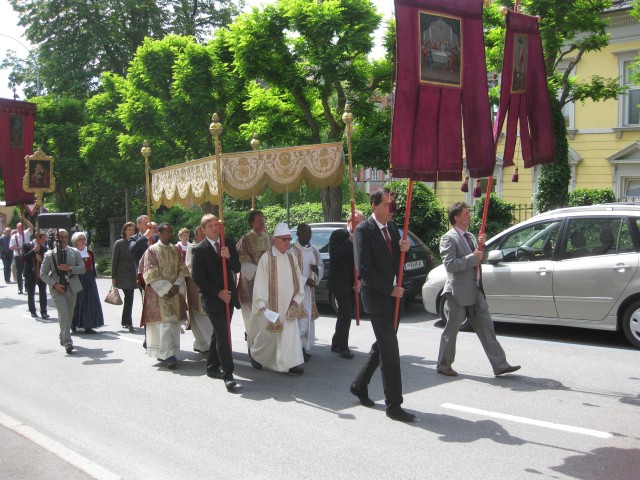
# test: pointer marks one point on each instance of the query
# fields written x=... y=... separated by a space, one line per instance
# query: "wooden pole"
x=255 y=144
x=405 y=235
x=146 y=152
x=347 y=118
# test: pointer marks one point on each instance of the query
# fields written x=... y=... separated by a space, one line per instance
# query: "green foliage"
x=590 y=196
x=499 y=216
x=553 y=184
x=103 y=266
x=426 y=211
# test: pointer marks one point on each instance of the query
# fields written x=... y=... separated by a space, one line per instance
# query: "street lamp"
x=35 y=59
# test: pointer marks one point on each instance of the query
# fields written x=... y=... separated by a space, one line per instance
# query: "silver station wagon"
x=574 y=267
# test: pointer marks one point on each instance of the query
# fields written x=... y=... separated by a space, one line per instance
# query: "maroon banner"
x=524 y=94
x=441 y=87
x=16 y=142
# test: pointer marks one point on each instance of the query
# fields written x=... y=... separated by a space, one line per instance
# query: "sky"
x=9 y=21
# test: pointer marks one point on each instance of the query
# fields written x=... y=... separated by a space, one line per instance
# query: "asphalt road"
x=108 y=411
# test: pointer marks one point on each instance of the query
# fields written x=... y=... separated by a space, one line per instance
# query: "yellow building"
x=604 y=137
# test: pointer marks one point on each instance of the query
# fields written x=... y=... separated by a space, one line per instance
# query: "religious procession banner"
x=248 y=173
x=441 y=86
x=16 y=142
x=524 y=94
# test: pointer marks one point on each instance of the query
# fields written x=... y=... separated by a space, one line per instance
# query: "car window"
x=625 y=240
x=531 y=243
x=595 y=236
x=320 y=240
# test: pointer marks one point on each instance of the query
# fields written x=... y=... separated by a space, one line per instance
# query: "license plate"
x=414 y=265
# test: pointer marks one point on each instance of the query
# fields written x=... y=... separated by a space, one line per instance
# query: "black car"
x=417 y=263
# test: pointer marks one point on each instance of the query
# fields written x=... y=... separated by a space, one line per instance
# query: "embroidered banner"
x=16 y=142
x=524 y=94
x=248 y=173
x=441 y=87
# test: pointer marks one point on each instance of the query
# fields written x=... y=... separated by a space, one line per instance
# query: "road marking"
x=530 y=421
x=68 y=455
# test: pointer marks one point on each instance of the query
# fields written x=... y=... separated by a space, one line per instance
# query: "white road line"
x=530 y=421
x=68 y=455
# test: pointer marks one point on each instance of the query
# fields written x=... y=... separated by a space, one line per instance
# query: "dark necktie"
x=217 y=244
x=387 y=239
x=467 y=235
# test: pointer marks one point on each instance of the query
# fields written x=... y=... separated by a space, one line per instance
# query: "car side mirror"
x=495 y=256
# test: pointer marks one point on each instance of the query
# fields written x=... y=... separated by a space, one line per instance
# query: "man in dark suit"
x=33 y=253
x=460 y=256
x=341 y=282
x=208 y=275
x=139 y=242
x=377 y=254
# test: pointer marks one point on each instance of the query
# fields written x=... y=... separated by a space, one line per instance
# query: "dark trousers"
x=220 y=354
x=340 y=340
x=127 y=307
x=384 y=352
x=30 y=284
x=19 y=270
x=6 y=262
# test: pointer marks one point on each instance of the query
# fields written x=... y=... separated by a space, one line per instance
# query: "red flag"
x=441 y=86
x=16 y=142
x=524 y=94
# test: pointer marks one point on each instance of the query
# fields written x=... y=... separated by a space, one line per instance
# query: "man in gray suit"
x=60 y=269
x=460 y=256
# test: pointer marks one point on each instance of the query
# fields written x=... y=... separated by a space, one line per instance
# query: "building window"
x=631 y=111
x=630 y=189
x=625 y=165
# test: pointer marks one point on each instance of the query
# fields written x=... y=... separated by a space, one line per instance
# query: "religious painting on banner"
x=524 y=96
x=441 y=49
x=16 y=142
x=441 y=90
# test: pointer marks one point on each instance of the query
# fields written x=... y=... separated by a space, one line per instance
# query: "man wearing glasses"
x=278 y=292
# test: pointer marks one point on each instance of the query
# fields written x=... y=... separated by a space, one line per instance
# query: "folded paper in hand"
x=271 y=315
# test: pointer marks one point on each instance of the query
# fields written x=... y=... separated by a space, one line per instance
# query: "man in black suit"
x=377 y=254
x=33 y=253
x=139 y=242
x=341 y=282
x=208 y=275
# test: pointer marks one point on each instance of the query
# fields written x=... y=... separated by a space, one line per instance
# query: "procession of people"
x=269 y=279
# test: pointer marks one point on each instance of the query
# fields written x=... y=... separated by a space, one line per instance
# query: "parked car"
x=574 y=267
x=417 y=264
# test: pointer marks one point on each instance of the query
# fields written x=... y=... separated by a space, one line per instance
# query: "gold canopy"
x=248 y=173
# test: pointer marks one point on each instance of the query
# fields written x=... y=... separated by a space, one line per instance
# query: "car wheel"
x=444 y=314
x=631 y=324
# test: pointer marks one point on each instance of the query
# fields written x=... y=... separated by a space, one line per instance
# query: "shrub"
x=499 y=216
x=103 y=266
x=590 y=196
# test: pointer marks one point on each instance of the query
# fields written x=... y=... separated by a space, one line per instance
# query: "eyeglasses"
x=285 y=239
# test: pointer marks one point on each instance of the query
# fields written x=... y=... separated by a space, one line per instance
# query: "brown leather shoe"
x=448 y=371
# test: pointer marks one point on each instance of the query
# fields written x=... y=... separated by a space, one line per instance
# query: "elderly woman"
x=123 y=272
x=88 y=312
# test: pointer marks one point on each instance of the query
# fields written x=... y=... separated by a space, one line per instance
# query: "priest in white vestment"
x=278 y=289
x=312 y=270
x=164 y=273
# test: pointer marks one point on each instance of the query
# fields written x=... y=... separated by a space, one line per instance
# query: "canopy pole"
x=216 y=130
x=347 y=118
x=146 y=152
x=405 y=235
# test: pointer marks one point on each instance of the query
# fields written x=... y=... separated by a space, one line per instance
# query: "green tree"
x=313 y=53
x=568 y=29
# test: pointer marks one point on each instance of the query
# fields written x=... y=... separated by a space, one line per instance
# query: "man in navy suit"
x=208 y=275
x=377 y=253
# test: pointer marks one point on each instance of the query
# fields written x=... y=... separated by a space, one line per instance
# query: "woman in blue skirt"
x=88 y=312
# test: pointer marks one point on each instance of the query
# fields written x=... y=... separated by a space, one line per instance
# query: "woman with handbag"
x=123 y=272
x=88 y=311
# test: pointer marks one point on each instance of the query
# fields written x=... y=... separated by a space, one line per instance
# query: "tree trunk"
x=332 y=204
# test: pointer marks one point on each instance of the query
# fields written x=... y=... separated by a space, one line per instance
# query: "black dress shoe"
x=334 y=348
x=363 y=396
x=214 y=372
x=34 y=315
x=398 y=414
x=171 y=363
x=306 y=356
x=229 y=384
x=254 y=364
x=69 y=349
x=45 y=316
x=345 y=353
x=90 y=331
x=130 y=328
x=509 y=369
x=296 y=370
